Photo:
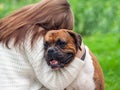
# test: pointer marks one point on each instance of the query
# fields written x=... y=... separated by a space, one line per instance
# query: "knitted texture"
x=85 y=79
x=16 y=72
x=26 y=69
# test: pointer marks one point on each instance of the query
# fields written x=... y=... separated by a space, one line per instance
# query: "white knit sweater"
x=26 y=69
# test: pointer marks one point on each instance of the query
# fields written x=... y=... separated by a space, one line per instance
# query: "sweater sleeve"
x=53 y=80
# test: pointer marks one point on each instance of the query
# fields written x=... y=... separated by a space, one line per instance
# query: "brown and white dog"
x=61 y=47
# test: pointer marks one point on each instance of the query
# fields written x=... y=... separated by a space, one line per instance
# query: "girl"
x=22 y=64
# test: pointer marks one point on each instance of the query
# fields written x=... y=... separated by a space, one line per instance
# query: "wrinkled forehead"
x=54 y=35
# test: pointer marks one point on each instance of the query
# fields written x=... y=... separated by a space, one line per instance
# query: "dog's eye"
x=61 y=43
x=45 y=45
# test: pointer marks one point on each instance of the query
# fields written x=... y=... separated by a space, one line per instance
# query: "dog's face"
x=60 y=47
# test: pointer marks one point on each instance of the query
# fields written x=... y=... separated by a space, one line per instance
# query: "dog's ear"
x=77 y=38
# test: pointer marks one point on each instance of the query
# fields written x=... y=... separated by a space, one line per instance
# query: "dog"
x=61 y=47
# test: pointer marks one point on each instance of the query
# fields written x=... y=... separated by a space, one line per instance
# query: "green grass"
x=107 y=49
x=91 y=16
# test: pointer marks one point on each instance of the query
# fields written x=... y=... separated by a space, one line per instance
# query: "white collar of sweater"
x=52 y=79
x=60 y=79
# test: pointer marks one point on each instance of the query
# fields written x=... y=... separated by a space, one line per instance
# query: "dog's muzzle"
x=57 y=59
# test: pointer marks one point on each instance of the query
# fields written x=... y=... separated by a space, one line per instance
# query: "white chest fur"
x=84 y=81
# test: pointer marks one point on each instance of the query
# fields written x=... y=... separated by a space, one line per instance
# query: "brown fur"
x=35 y=20
x=67 y=36
x=98 y=75
x=53 y=36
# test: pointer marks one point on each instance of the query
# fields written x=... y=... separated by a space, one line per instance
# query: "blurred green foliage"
x=96 y=16
x=107 y=49
x=98 y=21
x=91 y=16
x=9 y=6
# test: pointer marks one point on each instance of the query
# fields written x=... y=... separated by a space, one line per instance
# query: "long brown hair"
x=35 y=19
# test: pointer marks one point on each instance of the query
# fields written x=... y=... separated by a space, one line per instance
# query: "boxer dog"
x=61 y=47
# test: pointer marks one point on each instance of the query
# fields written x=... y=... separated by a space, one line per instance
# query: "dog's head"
x=60 y=47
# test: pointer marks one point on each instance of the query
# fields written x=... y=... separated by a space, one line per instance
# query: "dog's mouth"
x=58 y=64
x=55 y=64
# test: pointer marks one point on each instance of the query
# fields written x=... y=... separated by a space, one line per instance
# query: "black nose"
x=51 y=50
